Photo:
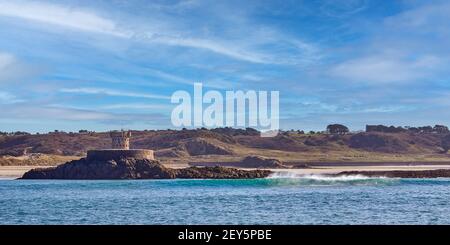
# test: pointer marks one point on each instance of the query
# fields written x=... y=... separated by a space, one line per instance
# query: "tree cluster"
x=439 y=129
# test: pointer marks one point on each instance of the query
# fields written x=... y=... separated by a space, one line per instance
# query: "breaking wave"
x=290 y=178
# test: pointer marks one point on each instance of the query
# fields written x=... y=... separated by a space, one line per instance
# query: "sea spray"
x=291 y=178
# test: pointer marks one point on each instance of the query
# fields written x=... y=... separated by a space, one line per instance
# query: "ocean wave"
x=319 y=176
x=290 y=178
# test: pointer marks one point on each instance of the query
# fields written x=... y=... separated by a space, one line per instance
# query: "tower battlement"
x=120 y=139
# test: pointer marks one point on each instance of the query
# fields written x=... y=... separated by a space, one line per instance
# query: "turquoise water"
x=277 y=200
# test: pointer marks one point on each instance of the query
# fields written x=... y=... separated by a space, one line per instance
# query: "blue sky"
x=102 y=65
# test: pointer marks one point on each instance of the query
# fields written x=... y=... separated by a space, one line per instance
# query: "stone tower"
x=120 y=139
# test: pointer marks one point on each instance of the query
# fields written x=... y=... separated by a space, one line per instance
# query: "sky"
x=108 y=64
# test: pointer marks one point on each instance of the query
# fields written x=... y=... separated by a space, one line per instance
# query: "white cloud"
x=14 y=70
x=28 y=111
x=4 y=96
x=229 y=49
x=170 y=77
x=252 y=77
x=164 y=31
x=69 y=114
x=111 y=92
x=411 y=46
x=58 y=15
x=85 y=20
x=136 y=106
x=385 y=69
x=5 y=61
x=342 y=8
x=428 y=18
x=8 y=98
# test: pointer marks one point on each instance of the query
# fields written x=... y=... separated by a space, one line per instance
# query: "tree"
x=413 y=129
x=440 y=129
x=425 y=129
x=337 y=129
x=384 y=129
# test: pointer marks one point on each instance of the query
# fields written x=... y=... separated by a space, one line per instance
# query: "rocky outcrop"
x=116 y=154
x=125 y=168
x=130 y=168
x=261 y=162
x=219 y=173
x=437 y=173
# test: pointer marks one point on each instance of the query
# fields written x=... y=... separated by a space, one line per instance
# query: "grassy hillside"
x=221 y=145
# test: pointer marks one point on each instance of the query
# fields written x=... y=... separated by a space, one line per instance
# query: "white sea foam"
x=319 y=177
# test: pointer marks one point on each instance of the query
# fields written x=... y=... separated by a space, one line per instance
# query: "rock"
x=220 y=173
x=261 y=162
x=125 y=168
x=437 y=173
x=130 y=168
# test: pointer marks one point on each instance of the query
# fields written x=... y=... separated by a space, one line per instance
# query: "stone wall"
x=118 y=154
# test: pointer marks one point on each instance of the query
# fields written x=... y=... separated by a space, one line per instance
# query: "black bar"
x=272 y=234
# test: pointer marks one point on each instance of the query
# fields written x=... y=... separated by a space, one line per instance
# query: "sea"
x=279 y=199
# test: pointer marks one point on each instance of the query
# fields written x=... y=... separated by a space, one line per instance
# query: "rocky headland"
x=132 y=168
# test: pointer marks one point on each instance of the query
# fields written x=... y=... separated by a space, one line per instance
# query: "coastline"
x=339 y=169
x=12 y=172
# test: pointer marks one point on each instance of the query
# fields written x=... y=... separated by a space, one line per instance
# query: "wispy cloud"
x=229 y=49
x=410 y=46
x=386 y=69
x=5 y=61
x=169 y=76
x=43 y=112
x=356 y=57
x=28 y=111
x=138 y=106
x=8 y=98
x=13 y=70
x=111 y=92
x=61 y=16
x=431 y=18
x=243 y=49
x=343 y=8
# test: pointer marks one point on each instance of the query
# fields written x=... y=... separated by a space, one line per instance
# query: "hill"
x=202 y=145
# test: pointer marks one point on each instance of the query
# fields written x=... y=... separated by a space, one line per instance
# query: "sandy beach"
x=11 y=172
